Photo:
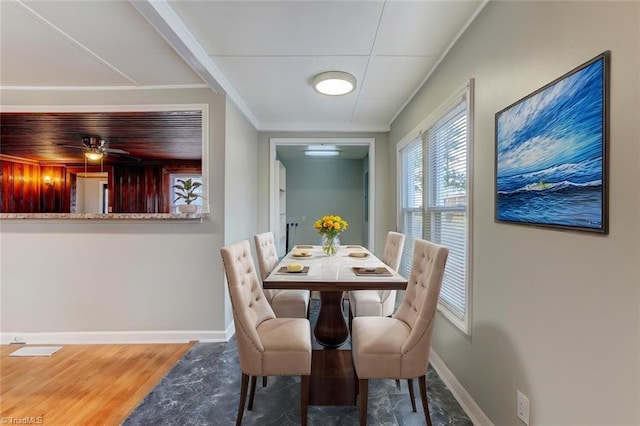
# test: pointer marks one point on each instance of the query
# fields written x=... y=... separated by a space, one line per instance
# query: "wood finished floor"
x=82 y=384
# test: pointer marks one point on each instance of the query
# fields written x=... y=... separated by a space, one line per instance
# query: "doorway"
x=342 y=184
x=92 y=192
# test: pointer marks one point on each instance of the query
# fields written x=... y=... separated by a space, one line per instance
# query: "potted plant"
x=186 y=190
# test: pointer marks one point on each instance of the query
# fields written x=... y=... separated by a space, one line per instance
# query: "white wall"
x=322 y=186
x=241 y=183
x=555 y=314
x=89 y=192
x=118 y=276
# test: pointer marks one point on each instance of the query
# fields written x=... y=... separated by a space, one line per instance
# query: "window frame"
x=185 y=174
x=419 y=133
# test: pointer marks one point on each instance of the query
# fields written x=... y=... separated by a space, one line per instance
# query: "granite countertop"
x=104 y=216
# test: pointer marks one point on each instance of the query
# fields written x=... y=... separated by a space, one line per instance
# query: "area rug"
x=203 y=388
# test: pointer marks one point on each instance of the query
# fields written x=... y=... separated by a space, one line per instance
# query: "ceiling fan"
x=95 y=148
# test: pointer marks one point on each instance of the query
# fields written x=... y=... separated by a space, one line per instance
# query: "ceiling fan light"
x=334 y=83
x=93 y=156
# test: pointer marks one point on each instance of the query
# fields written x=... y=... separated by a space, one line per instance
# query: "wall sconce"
x=49 y=182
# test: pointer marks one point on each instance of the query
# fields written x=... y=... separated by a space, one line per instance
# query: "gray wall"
x=555 y=314
x=318 y=187
x=240 y=185
x=114 y=276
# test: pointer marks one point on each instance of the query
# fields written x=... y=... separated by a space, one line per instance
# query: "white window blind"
x=411 y=200
x=446 y=209
x=434 y=199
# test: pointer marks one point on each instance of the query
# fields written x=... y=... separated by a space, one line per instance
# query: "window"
x=435 y=194
x=173 y=180
x=411 y=209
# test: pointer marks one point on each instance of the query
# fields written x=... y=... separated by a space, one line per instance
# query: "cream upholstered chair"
x=285 y=303
x=267 y=346
x=398 y=347
x=374 y=302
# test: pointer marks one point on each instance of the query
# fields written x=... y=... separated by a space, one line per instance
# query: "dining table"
x=353 y=267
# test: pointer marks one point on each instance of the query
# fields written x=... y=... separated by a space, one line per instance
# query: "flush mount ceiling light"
x=334 y=83
x=321 y=151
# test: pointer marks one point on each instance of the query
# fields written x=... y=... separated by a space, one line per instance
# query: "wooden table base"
x=331 y=330
x=332 y=378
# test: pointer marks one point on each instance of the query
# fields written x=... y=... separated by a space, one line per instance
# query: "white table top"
x=333 y=273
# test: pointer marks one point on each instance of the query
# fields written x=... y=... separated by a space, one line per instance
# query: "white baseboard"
x=114 y=337
x=475 y=413
x=230 y=331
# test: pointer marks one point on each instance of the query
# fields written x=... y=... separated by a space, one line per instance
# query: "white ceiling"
x=262 y=54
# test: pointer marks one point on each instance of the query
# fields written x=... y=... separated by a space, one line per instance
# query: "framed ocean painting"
x=551 y=153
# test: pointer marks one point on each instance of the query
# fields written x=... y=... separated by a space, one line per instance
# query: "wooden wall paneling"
x=135 y=192
x=138 y=196
x=153 y=177
x=20 y=186
x=131 y=189
x=120 y=196
x=52 y=189
x=146 y=188
x=20 y=193
x=5 y=182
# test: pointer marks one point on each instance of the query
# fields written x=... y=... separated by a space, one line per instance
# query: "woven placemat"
x=284 y=270
x=379 y=271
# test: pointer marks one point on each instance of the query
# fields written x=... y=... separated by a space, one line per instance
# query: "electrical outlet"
x=18 y=339
x=523 y=407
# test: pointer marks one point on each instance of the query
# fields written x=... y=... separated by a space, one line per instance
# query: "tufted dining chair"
x=398 y=347
x=379 y=303
x=285 y=303
x=267 y=346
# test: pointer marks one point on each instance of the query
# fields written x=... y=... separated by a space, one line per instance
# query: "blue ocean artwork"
x=550 y=147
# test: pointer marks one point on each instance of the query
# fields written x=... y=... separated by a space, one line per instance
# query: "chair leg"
x=243 y=398
x=356 y=385
x=411 y=394
x=398 y=384
x=253 y=392
x=364 y=397
x=304 y=396
x=264 y=381
x=423 y=395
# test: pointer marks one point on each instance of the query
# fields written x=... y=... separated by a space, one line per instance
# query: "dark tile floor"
x=203 y=388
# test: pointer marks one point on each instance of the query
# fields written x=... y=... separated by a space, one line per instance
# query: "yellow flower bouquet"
x=330 y=227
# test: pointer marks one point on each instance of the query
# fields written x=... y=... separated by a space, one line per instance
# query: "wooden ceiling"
x=148 y=135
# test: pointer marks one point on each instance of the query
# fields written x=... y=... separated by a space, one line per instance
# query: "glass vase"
x=330 y=245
